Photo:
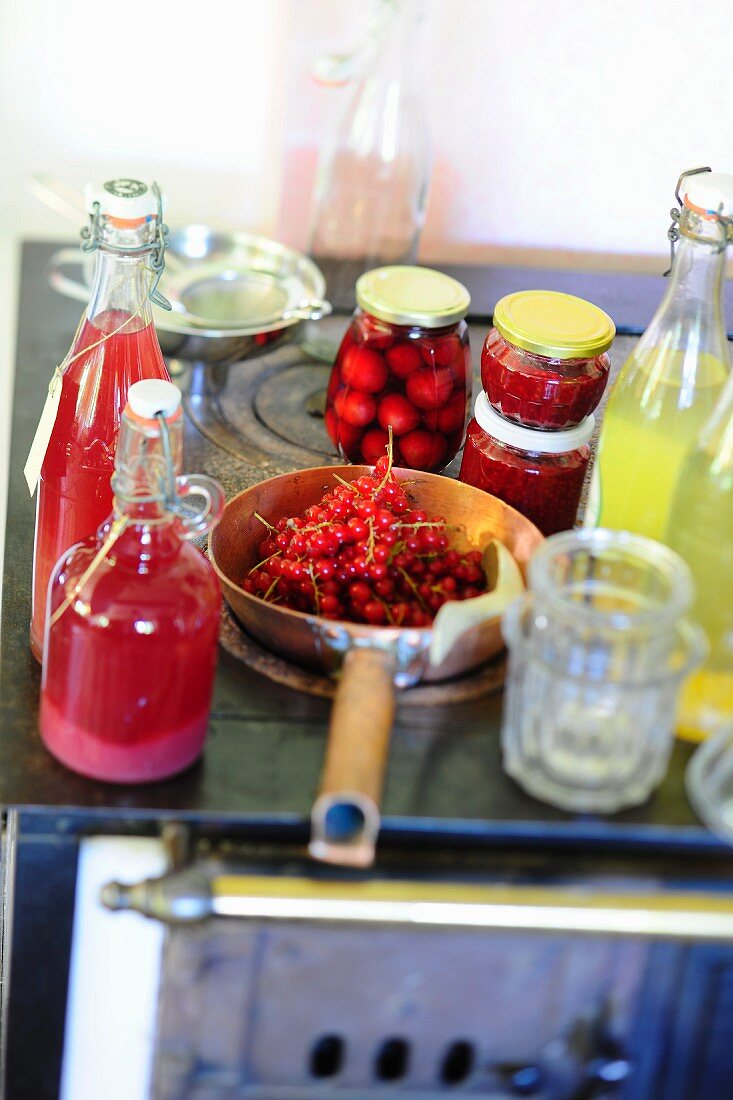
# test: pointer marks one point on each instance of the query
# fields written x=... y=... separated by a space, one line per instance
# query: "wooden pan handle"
x=345 y=817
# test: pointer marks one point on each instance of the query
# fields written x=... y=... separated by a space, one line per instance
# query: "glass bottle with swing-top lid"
x=115 y=346
x=673 y=378
x=133 y=612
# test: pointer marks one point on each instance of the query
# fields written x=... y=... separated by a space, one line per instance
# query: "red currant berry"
x=374 y=613
x=331 y=606
x=365 y=508
x=359 y=592
x=357 y=529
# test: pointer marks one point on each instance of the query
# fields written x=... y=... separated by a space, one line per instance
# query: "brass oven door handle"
x=200 y=891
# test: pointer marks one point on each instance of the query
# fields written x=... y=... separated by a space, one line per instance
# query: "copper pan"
x=372 y=661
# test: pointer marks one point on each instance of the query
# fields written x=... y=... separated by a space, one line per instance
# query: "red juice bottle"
x=115 y=345
x=133 y=613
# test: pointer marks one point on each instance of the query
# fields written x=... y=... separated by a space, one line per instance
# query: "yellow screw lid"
x=559 y=326
x=404 y=295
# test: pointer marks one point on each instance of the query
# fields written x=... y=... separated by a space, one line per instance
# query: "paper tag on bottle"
x=41 y=439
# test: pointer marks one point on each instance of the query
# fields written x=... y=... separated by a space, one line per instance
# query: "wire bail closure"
x=674 y=234
x=91 y=236
x=172 y=488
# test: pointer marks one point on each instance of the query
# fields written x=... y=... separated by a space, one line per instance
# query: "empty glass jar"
x=599 y=647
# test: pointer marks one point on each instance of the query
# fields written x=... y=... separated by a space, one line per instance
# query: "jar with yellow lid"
x=404 y=363
x=544 y=363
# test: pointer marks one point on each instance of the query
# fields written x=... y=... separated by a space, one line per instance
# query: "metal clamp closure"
x=92 y=239
x=725 y=225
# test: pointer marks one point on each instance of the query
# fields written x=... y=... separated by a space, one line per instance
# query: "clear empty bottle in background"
x=373 y=176
x=671 y=383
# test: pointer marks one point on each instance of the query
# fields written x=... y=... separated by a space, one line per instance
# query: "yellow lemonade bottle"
x=701 y=530
x=672 y=380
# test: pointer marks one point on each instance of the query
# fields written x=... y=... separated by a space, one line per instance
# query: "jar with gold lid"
x=404 y=363
x=544 y=363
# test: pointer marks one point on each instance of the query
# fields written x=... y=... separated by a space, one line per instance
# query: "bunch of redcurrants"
x=363 y=554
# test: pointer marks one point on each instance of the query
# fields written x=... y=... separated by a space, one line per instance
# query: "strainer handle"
x=71 y=288
x=313 y=309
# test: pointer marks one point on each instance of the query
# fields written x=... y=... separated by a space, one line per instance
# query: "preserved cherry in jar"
x=405 y=364
x=539 y=473
x=544 y=363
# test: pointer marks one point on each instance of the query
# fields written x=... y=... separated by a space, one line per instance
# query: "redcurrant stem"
x=370 y=541
x=315 y=590
x=387 y=609
x=267 y=525
x=265 y=561
x=398 y=548
x=428 y=523
x=349 y=485
x=390 y=458
x=273 y=585
x=413 y=586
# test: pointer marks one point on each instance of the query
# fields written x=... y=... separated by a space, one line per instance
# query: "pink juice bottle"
x=133 y=613
x=116 y=345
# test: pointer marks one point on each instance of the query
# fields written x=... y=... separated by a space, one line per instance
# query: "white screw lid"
x=123 y=198
x=711 y=192
x=530 y=439
x=153 y=396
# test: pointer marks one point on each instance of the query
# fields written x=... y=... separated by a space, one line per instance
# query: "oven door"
x=282 y=982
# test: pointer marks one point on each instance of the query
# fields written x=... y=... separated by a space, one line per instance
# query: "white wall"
x=185 y=93
x=557 y=126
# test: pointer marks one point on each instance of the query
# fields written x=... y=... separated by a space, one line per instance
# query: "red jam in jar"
x=544 y=364
x=403 y=363
x=539 y=473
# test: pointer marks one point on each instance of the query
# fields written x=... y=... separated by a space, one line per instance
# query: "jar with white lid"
x=539 y=473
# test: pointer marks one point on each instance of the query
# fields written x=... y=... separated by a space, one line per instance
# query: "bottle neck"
x=396 y=30
x=146 y=466
x=690 y=316
x=698 y=272
x=122 y=278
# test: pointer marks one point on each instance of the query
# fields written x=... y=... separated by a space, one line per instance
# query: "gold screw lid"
x=404 y=295
x=558 y=326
